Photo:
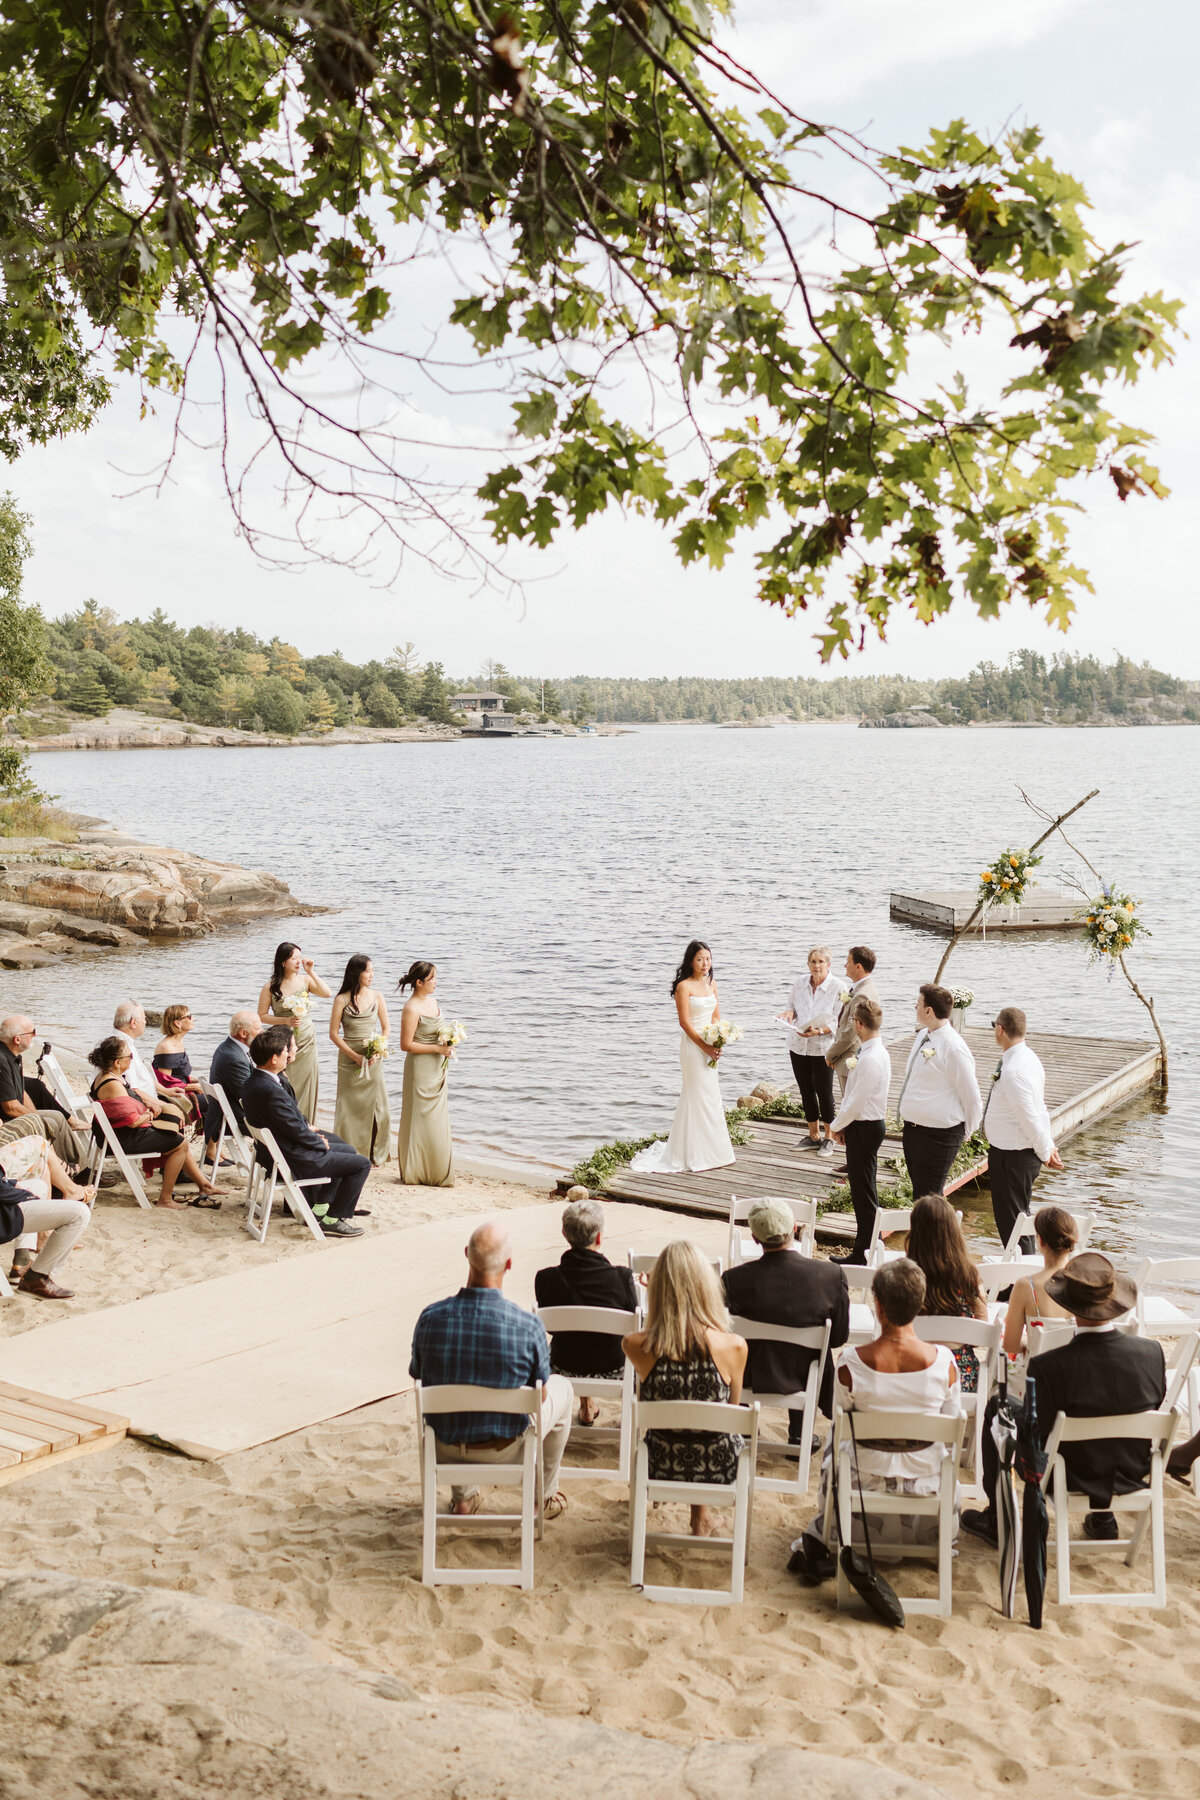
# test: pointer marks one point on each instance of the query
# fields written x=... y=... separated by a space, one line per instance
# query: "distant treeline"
x=216 y=676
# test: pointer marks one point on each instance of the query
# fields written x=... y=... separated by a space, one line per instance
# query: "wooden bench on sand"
x=37 y=1430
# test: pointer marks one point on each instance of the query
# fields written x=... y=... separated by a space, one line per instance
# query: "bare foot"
x=172 y=1205
x=589 y=1411
x=703 y=1522
x=463 y=1509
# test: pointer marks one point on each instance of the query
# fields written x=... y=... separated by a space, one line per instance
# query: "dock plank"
x=947 y=910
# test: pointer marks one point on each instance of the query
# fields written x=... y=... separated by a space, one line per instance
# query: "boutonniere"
x=851 y=1062
x=843 y=996
x=928 y=1052
x=997 y=1071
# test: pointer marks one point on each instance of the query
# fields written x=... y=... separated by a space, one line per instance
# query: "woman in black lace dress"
x=687 y=1352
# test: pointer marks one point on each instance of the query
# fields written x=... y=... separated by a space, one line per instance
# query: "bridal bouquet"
x=720 y=1033
x=450 y=1032
x=373 y=1049
x=295 y=1004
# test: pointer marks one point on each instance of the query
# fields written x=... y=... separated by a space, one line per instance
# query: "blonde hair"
x=171 y=1018
x=683 y=1303
x=821 y=950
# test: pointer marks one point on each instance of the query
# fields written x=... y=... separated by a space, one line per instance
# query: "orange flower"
x=1012 y=862
x=987 y=876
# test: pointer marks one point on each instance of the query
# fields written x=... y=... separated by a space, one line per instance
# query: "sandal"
x=555 y=1507
x=206 y=1202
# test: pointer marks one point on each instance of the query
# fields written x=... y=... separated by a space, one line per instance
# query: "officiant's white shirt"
x=941 y=1090
x=809 y=1007
x=867 y=1085
x=1016 y=1113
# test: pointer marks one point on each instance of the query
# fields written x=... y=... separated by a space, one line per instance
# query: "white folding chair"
x=1023 y=1227
x=896 y=1219
x=56 y=1080
x=240 y=1146
x=803 y=1400
x=1047 y=1334
x=692 y=1415
x=995 y=1277
x=984 y=1337
x=742 y=1247
x=260 y=1192
x=525 y=1474
x=110 y=1145
x=1157 y=1429
x=616 y=1325
x=641 y=1262
x=918 y=1427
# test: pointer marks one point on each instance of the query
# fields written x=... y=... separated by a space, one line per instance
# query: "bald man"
x=68 y=1142
x=229 y=1070
x=477 y=1338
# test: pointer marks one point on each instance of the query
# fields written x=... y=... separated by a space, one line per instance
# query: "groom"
x=860 y=968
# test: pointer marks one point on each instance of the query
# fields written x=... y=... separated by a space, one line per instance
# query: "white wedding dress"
x=699 y=1135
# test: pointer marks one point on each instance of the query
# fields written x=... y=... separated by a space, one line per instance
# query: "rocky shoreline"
x=109 y=891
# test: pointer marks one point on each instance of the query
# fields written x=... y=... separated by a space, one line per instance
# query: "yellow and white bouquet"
x=372 y=1050
x=294 y=1004
x=720 y=1033
x=1005 y=882
x=450 y=1032
x=1111 y=924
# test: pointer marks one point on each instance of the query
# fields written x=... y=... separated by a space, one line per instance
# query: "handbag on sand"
x=879 y=1595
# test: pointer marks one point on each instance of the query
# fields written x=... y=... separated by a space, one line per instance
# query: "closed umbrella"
x=1004 y=1436
x=1031 y=1462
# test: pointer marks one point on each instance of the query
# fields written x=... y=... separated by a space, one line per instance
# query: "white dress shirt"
x=1016 y=1113
x=810 y=1006
x=941 y=1090
x=139 y=1074
x=867 y=1085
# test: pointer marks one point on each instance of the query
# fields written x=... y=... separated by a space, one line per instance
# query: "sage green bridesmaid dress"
x=362 y=1115
x=305 y=1073
x=423 y=1146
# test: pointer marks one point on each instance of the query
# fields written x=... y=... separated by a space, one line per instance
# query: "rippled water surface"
x=555 y=883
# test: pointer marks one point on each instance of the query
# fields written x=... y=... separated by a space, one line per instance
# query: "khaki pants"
x=557 y=1407
x=65 y=1220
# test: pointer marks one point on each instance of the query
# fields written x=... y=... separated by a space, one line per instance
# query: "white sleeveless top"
x=921 y=1390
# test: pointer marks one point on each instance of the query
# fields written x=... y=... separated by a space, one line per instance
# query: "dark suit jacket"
x=1098 y=1373
x=12 y=1222
x=231 y=1069
x=585 y=1278
x=784 y=1288
x=266 y=1103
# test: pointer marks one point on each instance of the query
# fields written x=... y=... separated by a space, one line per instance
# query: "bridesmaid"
x=423 y=1145
x=285 y=1001
x=360 y=1014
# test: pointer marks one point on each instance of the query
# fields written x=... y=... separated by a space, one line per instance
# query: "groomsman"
x=861 y=1122
x=1017 y=1125
x=860 y=968
x=939 y=1101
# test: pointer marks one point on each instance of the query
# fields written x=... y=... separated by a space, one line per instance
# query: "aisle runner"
x=226 y=1364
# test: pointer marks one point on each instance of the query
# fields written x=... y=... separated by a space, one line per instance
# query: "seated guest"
x=477 y=1338
x=895 y=1373
x=172 y=1065
x=781 y=1287
x=1057 y=1238
x=229 y=1070
x=140 y=1132
x=687 y=1352
x=937 y=1246
x=268 y=1105
x=16 y=1102
x=29 y=1162
x=1100 y=1372
x=129 y=1023
x=585 y=1277
x=24 y=1211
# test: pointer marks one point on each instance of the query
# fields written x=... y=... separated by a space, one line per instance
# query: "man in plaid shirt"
x=477 y=1338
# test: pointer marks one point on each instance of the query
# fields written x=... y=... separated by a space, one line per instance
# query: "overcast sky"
x=1113 y=90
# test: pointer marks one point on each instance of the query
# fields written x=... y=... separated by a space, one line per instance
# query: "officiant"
x=812 y=1015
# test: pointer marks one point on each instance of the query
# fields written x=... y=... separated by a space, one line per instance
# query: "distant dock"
x=1086 y=1077
x=948 y=909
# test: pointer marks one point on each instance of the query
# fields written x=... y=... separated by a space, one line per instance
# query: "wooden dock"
x=948 y=909
x=39 y=1430
x=1086 y=1077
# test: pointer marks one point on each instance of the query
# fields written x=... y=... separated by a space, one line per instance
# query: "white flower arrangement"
x=843 y=996
x=372 y=1051
x=962 y=997
x=851 y=1062
x=450 y=1032
x=295 y=1004
x=720 y=1033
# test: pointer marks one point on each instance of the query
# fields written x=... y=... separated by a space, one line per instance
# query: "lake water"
x=555 y=882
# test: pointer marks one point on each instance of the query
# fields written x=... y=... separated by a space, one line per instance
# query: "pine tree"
x=322 y=714
x=87 y=696
x=432 y=701
x=551 y=704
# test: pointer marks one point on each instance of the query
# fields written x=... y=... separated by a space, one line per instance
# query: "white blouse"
x=821 y=1007
x=921 y=1390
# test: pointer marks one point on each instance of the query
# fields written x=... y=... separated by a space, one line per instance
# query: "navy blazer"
x=12 y=1219
x=231 y=1069
x=267 y=1104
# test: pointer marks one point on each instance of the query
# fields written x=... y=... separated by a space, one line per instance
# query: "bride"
x=699 y=1135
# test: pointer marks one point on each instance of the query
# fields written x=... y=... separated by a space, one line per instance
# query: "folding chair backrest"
x=262 y=1189
x=525 y=1473
x=460 y=1398
x=609 y=1320
x=917 y=1427
x=60 y=1087
x=896 y=1218
x=1024 y=1227
x=1048 y=1334
x=804 y=1213
x=641 y=1262
x=1153 y=1427
x=980 y=1334
x=1158 y=1315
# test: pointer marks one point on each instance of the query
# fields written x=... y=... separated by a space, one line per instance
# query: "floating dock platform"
x=948 y=909
x=1086 y=1077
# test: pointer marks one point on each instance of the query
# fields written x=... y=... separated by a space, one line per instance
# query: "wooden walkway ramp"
x=38 y=1430
x=1085 y=1078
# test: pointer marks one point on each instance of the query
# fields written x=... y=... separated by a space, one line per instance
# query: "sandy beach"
x=321 y=1530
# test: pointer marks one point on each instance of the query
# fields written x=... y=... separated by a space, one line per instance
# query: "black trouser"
x=814 y=1077
x=929 y=1151
x=1011 y=1175
x=346 y=1173
x=863 y=1138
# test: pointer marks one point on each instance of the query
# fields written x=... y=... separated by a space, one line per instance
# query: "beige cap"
x=771 y=1219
